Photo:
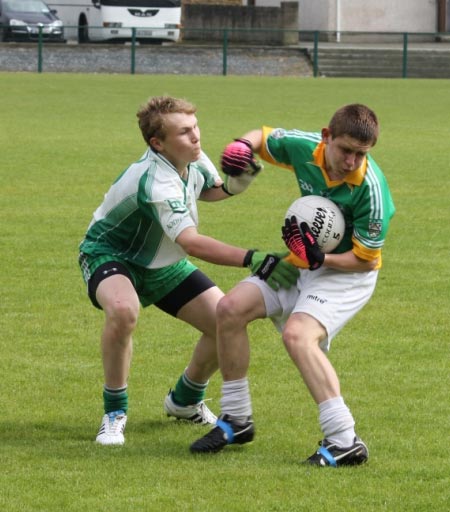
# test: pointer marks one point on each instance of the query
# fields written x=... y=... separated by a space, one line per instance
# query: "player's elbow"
x=188 y=240
x=370 y=265
x=192 y=247
x=375 y=264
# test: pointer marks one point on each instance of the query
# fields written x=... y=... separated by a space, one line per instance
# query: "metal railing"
x=231 y=38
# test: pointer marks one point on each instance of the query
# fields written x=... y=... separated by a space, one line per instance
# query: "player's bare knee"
x=122 y=314
x=295 y=339
x=230 y=312
x=226 y=309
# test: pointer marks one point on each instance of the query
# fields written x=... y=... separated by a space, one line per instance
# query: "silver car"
x=21 y=20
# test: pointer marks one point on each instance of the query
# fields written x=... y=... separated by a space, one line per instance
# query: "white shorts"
x=330 y=296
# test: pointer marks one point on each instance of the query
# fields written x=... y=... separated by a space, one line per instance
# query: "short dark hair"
x=357 y=121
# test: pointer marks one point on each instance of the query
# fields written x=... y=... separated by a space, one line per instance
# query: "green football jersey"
x=364 y=196
x=145 y=210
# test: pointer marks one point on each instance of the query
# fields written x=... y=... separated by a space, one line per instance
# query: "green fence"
x=313 y=40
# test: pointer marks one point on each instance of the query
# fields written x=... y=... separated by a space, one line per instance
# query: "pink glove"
x=237 y=157
x=302 y=243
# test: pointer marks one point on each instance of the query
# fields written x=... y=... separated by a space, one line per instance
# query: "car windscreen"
x=25 y=6
x=142 y=3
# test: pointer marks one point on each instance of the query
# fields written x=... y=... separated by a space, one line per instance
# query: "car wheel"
x=83 y=31
x=4 y=35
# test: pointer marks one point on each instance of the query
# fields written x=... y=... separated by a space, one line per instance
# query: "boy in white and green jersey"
x=331 y=288
x=135 y=253
x=140 y=218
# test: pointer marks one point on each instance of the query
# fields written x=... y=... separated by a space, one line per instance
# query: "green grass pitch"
x=64 y=138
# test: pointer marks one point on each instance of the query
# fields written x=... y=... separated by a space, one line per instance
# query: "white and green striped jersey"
x=145 y=210
x=363 y=196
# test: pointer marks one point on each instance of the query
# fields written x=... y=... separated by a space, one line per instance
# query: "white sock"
x=236 y=399
x=336 y=422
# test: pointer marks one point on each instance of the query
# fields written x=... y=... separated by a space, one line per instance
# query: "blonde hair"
x=151 y=115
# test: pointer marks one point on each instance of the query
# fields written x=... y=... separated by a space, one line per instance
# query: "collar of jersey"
x=355 y=177
x=157 y=156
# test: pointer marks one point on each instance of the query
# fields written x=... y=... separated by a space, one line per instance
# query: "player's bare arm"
x=209 y=249
x=255 y=138
x=269 y=267
x=214 y=194
x=349 y=262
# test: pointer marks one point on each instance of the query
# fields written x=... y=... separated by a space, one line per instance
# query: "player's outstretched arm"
x=269 y=267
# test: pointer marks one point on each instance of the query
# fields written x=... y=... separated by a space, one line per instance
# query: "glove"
x=302 y=243
x=236 y=184
x=271 y=267
x=237 y=158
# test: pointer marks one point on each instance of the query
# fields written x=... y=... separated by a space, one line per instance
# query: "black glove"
x=271 y=267
x=302 y=243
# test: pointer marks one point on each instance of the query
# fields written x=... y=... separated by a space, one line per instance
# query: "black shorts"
x=195 y=284
x=104 y=271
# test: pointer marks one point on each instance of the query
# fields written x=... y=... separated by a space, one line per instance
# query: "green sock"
x=187 y=392
x=115 y=399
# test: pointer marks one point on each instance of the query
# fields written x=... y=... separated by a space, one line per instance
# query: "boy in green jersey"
x=331 y=288
x=135 y=253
